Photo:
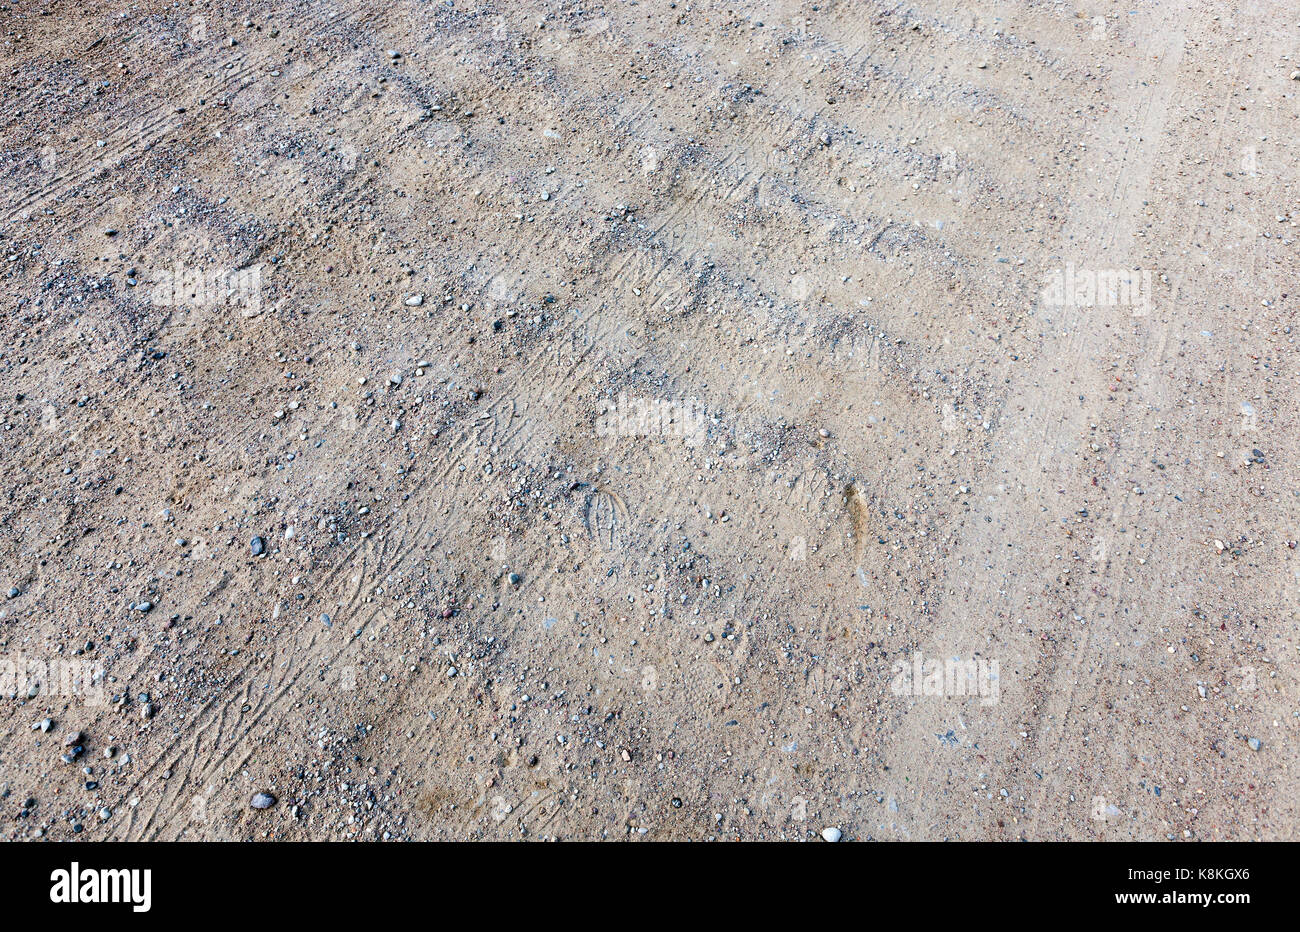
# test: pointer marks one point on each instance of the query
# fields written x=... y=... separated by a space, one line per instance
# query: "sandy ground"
x=629 y=400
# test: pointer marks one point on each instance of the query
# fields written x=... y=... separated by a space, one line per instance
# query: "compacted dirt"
x=537 y=420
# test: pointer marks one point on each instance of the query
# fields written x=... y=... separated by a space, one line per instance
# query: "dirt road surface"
x=649 y=420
